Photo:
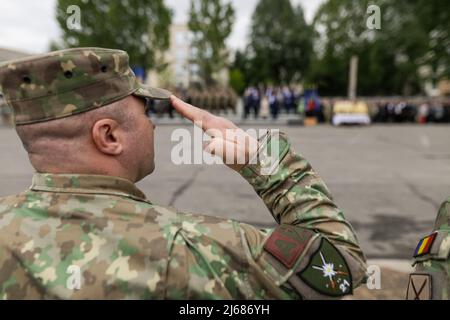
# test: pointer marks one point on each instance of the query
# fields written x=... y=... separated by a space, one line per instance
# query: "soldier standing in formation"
x=431 y=278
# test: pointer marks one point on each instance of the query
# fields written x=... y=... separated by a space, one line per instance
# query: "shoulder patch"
x=419 y=287
x=443 y=243
x=287 y=243
x=327 y=271
x=425 y=244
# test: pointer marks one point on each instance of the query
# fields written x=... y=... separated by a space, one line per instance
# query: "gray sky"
x=30 y=25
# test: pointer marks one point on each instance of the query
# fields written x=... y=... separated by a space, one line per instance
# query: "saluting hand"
x=229 y=142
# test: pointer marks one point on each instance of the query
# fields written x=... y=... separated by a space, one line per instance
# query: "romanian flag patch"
x=424 y=245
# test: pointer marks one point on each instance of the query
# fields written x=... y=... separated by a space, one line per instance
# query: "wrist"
x=272 y=147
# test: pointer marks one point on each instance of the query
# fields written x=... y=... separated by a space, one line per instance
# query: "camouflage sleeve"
x=431 y=277
x=430 y=280
x=310 y=225
x=443 y=218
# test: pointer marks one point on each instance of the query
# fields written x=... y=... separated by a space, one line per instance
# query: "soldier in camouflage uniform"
x=431 y=278
x=80 y=116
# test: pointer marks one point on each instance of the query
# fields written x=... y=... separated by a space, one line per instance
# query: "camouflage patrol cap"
x=67 y=82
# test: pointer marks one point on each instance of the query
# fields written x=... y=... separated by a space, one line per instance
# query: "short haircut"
x=55 y=135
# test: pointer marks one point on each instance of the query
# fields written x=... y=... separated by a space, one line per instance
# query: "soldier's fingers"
x=232 y=155
x=190 y=112
x=220 y=123
x=220 y=147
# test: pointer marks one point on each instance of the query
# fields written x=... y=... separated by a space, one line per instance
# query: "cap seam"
x=18 y=123
x=46 y=56
x=62 y=92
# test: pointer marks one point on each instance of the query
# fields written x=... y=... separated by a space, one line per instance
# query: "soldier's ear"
x=108 y=137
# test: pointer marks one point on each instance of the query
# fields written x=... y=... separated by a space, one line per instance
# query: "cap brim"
x=152 y=93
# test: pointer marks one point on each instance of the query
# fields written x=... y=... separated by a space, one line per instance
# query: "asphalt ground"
x=388 y=179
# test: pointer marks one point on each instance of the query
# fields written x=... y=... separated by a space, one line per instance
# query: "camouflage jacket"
x=103 y=230
x=431 y=279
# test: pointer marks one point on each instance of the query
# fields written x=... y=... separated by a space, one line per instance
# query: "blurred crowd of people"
x=393 y=110
x=413 y=110
x=270 y=101
x=217 y=100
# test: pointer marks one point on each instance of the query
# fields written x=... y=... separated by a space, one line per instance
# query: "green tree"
x=281 y=43
x=434 y=18
x=140 y=27
x=340 y=32
x=413 y=35
x=239 y=72
x=237 y=81
x=211 y=23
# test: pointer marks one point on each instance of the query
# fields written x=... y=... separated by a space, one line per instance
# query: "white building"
x=180 y=70
x=177 y=57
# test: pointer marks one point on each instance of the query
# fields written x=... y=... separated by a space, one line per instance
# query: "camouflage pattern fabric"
x=68 y=82
x=129 y=248
x=436 y=263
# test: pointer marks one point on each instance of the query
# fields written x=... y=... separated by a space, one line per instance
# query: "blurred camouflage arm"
x=443 y=218
x=434 y=262
x=296 y=195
